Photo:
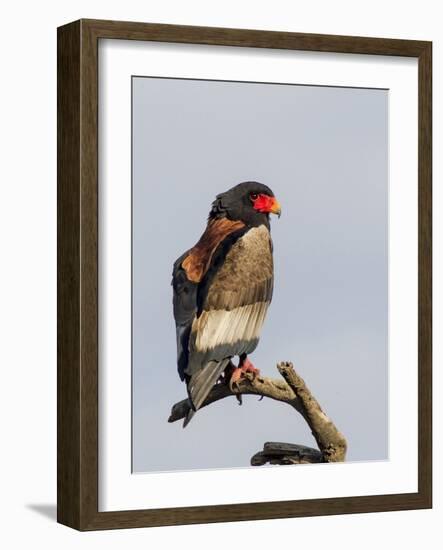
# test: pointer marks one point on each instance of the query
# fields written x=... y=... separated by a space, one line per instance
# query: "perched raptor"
x=222 y=288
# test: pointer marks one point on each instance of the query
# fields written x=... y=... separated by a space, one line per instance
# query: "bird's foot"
x=236 y=376
x=239 y=372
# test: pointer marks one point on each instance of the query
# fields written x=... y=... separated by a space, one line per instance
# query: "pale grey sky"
x=323 y=151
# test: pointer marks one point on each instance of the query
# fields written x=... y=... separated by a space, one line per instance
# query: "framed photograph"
x=244 y=274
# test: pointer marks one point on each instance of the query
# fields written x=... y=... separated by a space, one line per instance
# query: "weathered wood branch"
x=293 y=391
x=247 y=385
x=330 y=441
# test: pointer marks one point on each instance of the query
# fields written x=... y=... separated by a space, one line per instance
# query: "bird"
x=222 y=288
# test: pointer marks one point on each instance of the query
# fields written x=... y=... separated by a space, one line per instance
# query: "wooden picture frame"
x=77 y=455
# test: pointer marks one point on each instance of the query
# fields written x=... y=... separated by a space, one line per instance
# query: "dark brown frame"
x=77 y=454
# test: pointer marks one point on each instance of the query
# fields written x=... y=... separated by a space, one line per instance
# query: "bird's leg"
x=227 y=373
x=226 y=376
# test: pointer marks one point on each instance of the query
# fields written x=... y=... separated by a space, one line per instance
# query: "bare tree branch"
x=247 y=385
x=293 y=391
x=330 y=441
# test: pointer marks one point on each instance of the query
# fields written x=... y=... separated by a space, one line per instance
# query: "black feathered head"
x=250 y=202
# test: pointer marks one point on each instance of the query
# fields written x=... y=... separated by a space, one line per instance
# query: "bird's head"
x=250 y=202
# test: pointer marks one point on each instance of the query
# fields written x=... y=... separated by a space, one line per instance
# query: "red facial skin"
x=266 y=204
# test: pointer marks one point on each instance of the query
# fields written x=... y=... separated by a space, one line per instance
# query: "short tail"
x=201 y=383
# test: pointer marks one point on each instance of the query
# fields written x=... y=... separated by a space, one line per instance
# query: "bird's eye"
x=253 y=196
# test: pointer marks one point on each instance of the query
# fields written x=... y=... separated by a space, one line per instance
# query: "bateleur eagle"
x=222 y=288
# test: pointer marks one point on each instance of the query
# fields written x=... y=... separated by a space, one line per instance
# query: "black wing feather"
x=185 y=309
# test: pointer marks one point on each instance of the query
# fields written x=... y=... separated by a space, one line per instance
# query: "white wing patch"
x=220 y=327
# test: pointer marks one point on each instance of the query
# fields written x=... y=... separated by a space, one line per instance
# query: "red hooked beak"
x=267 y=204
